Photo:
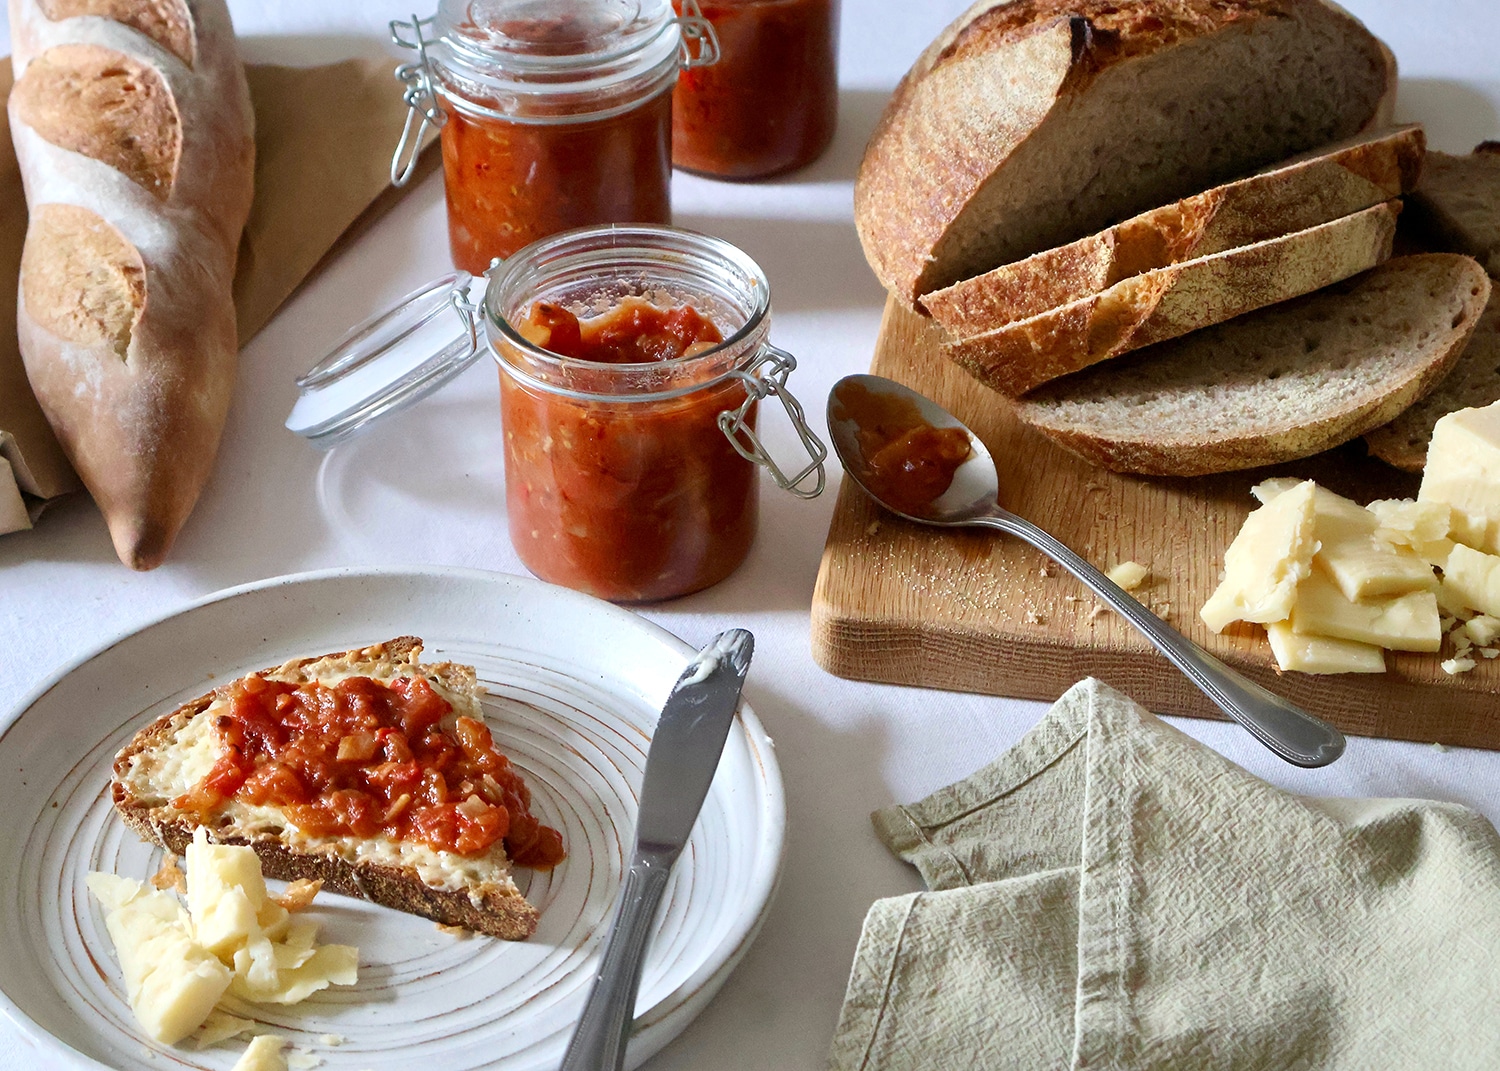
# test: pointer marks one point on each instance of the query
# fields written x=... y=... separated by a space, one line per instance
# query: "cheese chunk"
x=1412 y=523
x=1321 y=654
x=1403 y=623
x=264 y=1054
x=225 y=894
x=172 y=982
x=1471 y=579
x=1483 y=630
x=1463 y=471
x=1269 y=557
x=1360 y=561
x=1129 y=575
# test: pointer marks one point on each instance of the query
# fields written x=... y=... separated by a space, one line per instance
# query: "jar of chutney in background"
x=770 y=103
x=554 y=114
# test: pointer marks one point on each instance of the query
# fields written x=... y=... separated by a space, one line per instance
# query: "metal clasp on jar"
x=696 y=29
x=421 y=100
x=736 y=423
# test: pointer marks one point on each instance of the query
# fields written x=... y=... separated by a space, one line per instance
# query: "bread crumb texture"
x=1116 y=31
x=167 y=22
x=80 y=279
x=107 y=106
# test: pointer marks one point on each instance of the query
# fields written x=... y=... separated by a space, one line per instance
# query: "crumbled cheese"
x=220 y=1026
x=303 y=1060
x=1129 y=575
x=1483 y=630
x=1454 y=666
x=264 y=1054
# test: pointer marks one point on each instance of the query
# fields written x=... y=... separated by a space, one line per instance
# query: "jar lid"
x=392 y=360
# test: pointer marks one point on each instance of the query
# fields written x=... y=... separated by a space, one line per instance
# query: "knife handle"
x=599 y=1042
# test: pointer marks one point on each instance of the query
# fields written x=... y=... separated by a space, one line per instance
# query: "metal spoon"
x=972 y=501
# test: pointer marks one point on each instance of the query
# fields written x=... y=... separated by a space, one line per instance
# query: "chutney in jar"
x=628 y=496
x=770 y=103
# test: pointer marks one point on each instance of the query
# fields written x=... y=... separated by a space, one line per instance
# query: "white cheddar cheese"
x=172 y=982
x=264 y=1054
x=1268 y=559
x=220 y=1026
x=1402 y=623
x=1360 y=562
x=1483 y=630
x=225 y=893
x=1322 y=654
x=1412 y=523
x=1463 y=471
x=1471 y=579
x=1129 y=575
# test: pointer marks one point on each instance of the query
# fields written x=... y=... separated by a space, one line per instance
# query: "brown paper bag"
x=323 y=143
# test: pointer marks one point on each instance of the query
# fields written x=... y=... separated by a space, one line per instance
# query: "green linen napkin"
x=1112 y=894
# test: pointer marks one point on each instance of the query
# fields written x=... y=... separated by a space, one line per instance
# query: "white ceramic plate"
x=576 y=685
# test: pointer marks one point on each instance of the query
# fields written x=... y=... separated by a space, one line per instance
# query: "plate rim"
x=740 y=938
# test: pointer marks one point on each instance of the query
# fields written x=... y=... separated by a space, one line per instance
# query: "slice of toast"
x=1456 y=206
x=1473 y=383
x=1276 y=385
x=1316 y=187
x=1169 y=302
x=155 y=774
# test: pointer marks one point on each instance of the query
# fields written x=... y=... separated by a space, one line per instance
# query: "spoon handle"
x=1287 y=730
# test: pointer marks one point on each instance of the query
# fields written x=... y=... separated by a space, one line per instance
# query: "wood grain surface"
x=978 y=611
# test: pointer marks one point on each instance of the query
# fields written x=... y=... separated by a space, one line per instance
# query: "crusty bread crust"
x=1303 y=192
x=141 y=421
x=1206 y=403
x=500 y=912
x=1474 y=382
x=1169 y=302
x=1031 y=123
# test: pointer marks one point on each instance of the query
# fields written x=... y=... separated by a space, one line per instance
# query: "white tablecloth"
x=426 y=488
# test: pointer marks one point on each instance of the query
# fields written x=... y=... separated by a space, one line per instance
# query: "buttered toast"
x=366 y=769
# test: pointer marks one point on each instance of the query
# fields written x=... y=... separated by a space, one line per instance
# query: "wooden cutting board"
x=978 y=611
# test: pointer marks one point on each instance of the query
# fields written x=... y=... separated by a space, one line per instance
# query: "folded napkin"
x=323 y=143
x=1112 y=894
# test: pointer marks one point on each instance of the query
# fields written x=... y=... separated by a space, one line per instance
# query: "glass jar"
x=771 y=102
x=554 y=114
x=633 y=482
x=636 y=482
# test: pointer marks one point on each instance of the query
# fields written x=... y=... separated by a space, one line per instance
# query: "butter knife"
x=680 y=765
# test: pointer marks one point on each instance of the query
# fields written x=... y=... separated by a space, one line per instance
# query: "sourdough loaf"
x=132 y=126
x=1279 y=384
x=1456 y=206
x=1168 y=302
x=1315 y=188
x=1473 y=384
x=172 y=754
x=1031 y=123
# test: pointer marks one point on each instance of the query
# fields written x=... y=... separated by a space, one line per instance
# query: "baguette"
x=1172 y=301
x=1318 y=187
x=1279 y=384
x=157 y=772
x=133 y=130
x=1032 y=123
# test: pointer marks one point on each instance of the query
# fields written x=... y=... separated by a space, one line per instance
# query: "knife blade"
x=680 y=764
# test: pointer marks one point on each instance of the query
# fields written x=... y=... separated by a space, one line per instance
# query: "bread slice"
x=172 y=754
x=1456 y=206
x=1276 y=385
x=1031 y=123
x=1168 y=302
x=1314 y=188
x=1473 y=383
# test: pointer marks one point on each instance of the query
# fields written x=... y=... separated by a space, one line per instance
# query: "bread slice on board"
x=1168 y=302
x=1456 y=206
x=1029 y=124
x=1474 y=382
x=1279 y=384
x=1314 y=188
x=172 y=754
x=133 y=131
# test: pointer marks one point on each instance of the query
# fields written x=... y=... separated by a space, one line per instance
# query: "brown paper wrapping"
x=323 y=143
